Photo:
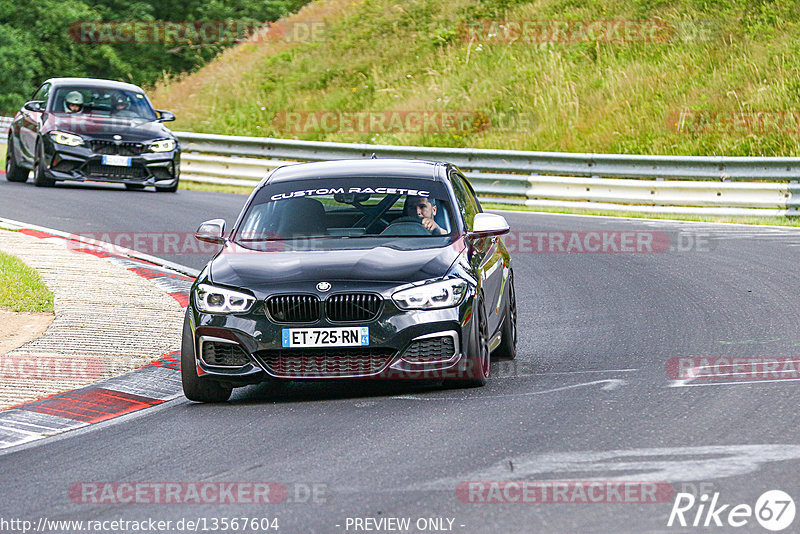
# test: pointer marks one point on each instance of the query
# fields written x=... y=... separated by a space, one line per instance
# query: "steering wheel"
x=406 y=226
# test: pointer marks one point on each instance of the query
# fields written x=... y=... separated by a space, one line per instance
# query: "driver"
x=73 y=102
x=121 y=106
x=424 y=209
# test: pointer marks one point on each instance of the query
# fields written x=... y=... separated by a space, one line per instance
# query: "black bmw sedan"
x=351 y=269
x=82 y=129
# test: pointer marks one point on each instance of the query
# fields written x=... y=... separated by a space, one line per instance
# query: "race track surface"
x=590 y=396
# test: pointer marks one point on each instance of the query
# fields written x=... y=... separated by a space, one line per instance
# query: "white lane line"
x=683 y=382
x=610 y=384
x=695 y=375
x=746 y=373
x=733 y=383
x=568 y=373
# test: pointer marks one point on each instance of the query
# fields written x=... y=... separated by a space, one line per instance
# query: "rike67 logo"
x=774 y=510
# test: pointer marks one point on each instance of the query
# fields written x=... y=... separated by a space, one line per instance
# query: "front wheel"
x=479 y=361
x=14 y=173
x=39 y=178
x=507 y=350
x=195 y=388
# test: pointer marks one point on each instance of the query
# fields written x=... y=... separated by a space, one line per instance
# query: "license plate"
x=353 y=336
x=117 y=161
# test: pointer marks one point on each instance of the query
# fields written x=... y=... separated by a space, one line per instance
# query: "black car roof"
x=359 y=168
x=94 y=82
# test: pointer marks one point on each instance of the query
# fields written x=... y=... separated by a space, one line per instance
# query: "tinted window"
x=467 y=204
x=106 y=102
x=347 y=208
x=42 y=93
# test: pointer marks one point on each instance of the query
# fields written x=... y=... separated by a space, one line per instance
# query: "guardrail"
x=5 y=122
x=734 y=186
x=650 y=184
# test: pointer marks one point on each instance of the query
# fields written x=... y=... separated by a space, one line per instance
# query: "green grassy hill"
x=732 y=58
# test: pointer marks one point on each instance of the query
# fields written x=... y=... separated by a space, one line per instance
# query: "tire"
x=39 y=179
x=14 y=173
x=170 y=189
x=479 y=364
x=507 y=350
x=134 y=187
x=195 y=388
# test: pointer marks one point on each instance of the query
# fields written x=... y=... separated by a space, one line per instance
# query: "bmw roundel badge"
x=323 y=286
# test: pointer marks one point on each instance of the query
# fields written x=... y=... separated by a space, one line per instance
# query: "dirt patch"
x=17 y=328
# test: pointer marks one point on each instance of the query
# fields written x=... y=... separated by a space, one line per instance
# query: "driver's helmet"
x=120 y=102
x=73 y=98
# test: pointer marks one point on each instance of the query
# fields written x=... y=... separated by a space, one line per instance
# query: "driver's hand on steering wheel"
x=431 y=226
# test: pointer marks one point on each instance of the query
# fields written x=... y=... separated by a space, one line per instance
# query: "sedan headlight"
x=432 y=296
x=64 y=138
x=162 y=145
x=212 y=299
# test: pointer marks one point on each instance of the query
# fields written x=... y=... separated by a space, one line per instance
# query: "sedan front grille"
x=110 y=148
x=348 y=307
x=326 y=363
x=431 y=349
x=98 y=170
x=293 y=308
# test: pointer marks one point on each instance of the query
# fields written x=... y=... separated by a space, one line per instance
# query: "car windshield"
x=104 y=102
x=343 y=209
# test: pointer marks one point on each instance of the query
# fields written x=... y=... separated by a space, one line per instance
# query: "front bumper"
x=395 y=338
x=82 y=164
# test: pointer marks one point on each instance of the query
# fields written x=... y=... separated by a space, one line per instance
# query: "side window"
x=42 y=93
x=467 y=204
x=472 y=195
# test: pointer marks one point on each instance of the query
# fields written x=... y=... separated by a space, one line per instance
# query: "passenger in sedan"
x=122 y=107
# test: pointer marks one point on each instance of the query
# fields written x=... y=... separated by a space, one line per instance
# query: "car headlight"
x=212 y=299
x=162 y=145
x=64 y=138
x=432 y=296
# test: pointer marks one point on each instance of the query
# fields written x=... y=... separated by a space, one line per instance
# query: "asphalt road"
x=588 y=398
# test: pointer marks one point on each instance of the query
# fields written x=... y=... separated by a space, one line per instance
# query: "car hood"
x=260 y=270
x=99 y=127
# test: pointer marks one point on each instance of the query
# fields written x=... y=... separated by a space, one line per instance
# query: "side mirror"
x=211 y=232
x=488 y=224
x=165 y=116
x=34 y=105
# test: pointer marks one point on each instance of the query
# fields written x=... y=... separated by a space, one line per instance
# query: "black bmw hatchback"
x=351 y=269
x=83 y=129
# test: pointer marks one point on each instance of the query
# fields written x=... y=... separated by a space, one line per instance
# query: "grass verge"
x=719 y=78
x=21 y=288
x=215 y=188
